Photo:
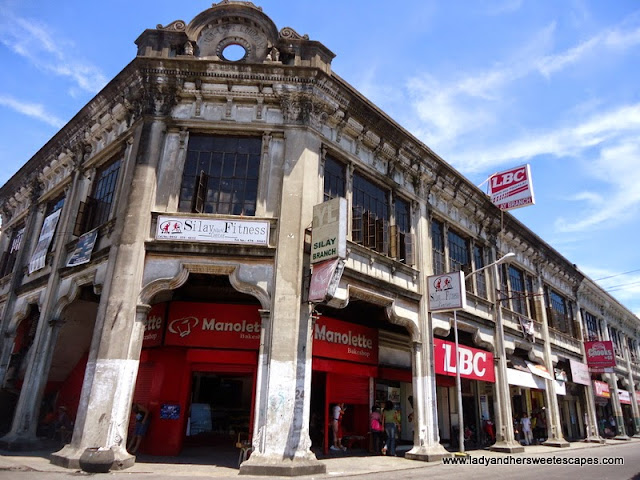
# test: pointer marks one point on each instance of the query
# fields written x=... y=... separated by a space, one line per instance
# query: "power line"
x=617 y=275
x=621 y=286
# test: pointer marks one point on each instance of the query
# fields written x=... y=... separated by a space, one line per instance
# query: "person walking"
x=375 y=422
x=140 y=430
x=336 y=426
x=525 y=421
x=390 y=427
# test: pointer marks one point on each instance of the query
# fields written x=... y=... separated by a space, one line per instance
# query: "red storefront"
x=197 y=374
x=345 y=369
x=477 y=373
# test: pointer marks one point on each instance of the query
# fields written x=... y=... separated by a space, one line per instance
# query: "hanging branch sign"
x=512 y=188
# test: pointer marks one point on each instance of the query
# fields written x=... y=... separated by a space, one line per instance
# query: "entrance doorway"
x=220 y=408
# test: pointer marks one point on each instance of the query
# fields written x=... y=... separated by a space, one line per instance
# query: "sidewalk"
x=338 y=465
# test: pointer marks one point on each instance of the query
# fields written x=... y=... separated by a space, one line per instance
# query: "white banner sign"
x=211 y=230
x=579 y=372
x=512 y=188
x=446 y=292
x=46 y=235
x=329 y=230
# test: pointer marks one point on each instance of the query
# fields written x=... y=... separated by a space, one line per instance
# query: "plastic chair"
x=244 y=444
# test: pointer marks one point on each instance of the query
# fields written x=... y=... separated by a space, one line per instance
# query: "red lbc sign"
x=511 y=188
x=154 y=325
x=345 y=341
x=213 y=325
x=474 y=363
x=600 y=354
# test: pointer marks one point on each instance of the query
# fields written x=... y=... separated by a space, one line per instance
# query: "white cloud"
x=33 y=110
x=54 y=55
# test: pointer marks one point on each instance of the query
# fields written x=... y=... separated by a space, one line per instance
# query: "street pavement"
x=35 y=465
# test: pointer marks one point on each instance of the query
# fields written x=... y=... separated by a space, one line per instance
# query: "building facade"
x=158 y=249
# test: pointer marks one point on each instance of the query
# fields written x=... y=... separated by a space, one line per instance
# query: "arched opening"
x=363 y=360
x=197 y=373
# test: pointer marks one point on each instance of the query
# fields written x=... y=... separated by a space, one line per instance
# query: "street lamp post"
x=457 y=356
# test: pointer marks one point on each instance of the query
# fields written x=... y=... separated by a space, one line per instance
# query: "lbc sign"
x=475 y=364
x=512 y=188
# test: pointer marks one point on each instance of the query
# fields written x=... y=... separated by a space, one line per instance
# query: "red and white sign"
x=474 y=363
x=154 y=325
x=345 y=341
x=600 y=354
x=512 y=188
x=601 y=389
x=624 y=397
x=213 y=325
x=446 y=292
x=325 y=278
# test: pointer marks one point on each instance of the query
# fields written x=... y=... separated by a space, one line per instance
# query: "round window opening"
x=234 y=52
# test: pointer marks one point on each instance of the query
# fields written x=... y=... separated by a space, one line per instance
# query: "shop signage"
x=624 y=397
x=46 y=235
x=601 y=389
x=474 y=363
x=154 y=326
x=195 y=229
x=579 y=372
x=213 y=325
x=84 y=248
x=638 y=397
x=600 y=354
x=512 y=188
x=539 y=370
x=525 y=379
x=345 y=341
x=446 y=292
x=329 y=230
x=560 y=374
x=325 y=278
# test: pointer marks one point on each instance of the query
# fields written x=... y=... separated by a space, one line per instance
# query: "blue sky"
x=488 y=85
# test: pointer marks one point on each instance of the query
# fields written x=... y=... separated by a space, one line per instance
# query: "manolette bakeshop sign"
x=213 y=325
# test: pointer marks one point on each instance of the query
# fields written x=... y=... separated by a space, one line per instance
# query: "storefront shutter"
x=348 y=389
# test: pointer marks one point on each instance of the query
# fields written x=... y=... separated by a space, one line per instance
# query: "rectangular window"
x=558 y=312
x=480 y=277
x=517 y=292
x=96 y=209
x=220 y=175
x=334 y=179
x=370 y=215
x=437 y=247
x=9 y=257
x=531 y=298
x=591 y=327
x=459 y=258
x=401 y=239
x=504 y=286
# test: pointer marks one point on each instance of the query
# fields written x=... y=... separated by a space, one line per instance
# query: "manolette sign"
x=211 y=230
x=345 y=341
x=213 y=325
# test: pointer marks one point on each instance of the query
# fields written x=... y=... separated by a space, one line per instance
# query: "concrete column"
x=505 y=438
x=612 y=379
x=426 y=444
x=632 y=393
x=592 y=420
x=554 y=424
x=25 y=420
x=282 y=443
x=112 y=367
x=16 y=279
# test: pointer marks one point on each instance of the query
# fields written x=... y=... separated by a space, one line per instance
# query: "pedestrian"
x=141 y=427
x=390 y=427
x=525 y=421
x=336 y=426
x=375 y=421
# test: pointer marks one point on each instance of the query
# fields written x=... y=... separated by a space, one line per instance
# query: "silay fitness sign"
x=253 y=232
